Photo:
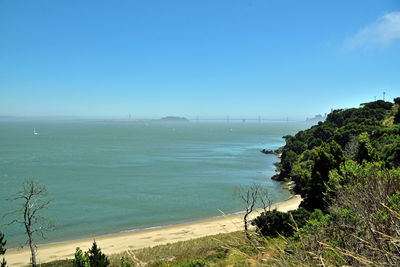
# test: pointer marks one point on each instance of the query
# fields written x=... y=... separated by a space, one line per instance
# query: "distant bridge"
x=240 y=119
x=224 y=119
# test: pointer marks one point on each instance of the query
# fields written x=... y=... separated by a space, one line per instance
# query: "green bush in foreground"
x=124 y=263
x=81 y=259
x=363 y=224
x=3 y=249
x=274 y=223
x=93 y=258
x=191 y=263
x=96 y=257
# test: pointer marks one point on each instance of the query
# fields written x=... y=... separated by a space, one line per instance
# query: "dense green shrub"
x=364 y=210
x=317 y=219
x=327 y=157
x=391 y=153
x=81 y=259
x=341 y=125
x=359 y=133
x=365 y=151
x=124 y=263
x=94 y=257
x=397 y=117
x=362 y=227
x=274 y=223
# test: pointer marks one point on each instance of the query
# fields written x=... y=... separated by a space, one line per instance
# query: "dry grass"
x=231 y=249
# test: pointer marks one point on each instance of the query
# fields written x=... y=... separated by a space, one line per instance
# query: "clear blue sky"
x=208 y=58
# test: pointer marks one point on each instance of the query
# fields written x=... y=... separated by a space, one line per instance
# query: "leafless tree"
x=249 y=197
x=253 y=197
x=33 y=199
x=265 y=198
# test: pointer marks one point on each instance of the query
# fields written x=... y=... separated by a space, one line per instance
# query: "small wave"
x=142 y=229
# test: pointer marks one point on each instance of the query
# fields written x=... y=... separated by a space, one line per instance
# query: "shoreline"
x=134 y=230
x=141 y=238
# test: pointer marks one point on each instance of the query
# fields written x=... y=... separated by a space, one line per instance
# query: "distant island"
x=173 y=119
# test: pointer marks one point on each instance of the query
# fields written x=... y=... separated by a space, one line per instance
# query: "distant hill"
x=173 y=119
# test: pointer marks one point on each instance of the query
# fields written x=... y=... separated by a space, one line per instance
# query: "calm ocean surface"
x=108 y=177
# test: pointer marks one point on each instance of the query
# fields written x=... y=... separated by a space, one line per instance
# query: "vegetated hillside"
x=347 y=171
x=344 y=127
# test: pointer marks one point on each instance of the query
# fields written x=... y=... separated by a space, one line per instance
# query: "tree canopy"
x=347 y=170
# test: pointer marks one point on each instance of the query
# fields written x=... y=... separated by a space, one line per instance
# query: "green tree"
x=317 y=219
x=81 y=259
x=365 y=209
x=303 y=165
x=365 y=151
x=3 y=249
x=92 y=258
x=288 y=158
x=397 y=117
x=326 y=157
x=2 y=244
x=394 y=157
x=96 y=257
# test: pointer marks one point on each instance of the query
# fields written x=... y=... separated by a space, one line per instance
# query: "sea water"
x=108 y=177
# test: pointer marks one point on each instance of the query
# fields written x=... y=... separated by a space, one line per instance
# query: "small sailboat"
x=34 y=132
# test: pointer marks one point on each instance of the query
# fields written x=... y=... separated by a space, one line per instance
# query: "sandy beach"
x=115 y=243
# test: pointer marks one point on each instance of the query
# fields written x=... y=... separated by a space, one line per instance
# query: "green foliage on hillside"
x=347 y=171
x=359 y=133
x=326 y=157
x=362 y=227
x=396 y=118
x=340 y=126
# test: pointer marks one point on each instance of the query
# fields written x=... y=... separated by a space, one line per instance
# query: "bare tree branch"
x=33 y=200
x=253 y=197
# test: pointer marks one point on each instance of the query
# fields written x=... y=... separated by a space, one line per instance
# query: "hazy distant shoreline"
x=206 y=119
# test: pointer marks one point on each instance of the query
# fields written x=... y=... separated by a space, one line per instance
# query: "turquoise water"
x=108 y=177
